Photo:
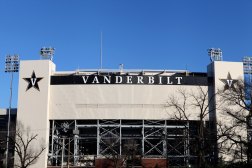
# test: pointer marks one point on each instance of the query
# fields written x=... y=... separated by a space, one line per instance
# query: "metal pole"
x=68 y=153
x=62 y=152
x=76 y=146
x=98 y=138
x=120 y=138
x=52 y=139
x=8 y=130
x=166 y=145
x=143 y=138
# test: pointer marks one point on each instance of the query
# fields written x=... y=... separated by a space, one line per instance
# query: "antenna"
x=101 y=53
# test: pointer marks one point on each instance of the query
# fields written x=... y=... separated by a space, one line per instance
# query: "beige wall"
x=113 y=101
x=33 y=108
x=220 y=70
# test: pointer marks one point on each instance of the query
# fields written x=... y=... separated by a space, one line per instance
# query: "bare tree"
x=186 y=104
x=128 y=158
x=131 y=153
x=238 y=108
x=25 y=152
x=113 y=158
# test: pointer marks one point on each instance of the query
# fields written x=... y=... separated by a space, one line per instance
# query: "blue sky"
x=141 y=34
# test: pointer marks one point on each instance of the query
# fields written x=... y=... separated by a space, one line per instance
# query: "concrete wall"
x=33 y=104
x=114 y=101
x=220 y=70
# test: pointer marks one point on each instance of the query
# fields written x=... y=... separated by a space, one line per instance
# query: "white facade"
x=33 y=105
x=40 y=101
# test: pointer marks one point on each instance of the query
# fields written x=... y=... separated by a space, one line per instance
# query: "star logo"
x=33 y=81
x=229 y=82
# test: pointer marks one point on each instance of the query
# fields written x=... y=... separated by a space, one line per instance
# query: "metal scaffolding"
x=101 y=138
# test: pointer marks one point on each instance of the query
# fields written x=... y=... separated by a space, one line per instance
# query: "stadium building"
x=90 y=118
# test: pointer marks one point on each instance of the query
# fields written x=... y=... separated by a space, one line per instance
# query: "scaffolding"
x=166 y=139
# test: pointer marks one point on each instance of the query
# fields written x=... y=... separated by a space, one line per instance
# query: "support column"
x=98 y=138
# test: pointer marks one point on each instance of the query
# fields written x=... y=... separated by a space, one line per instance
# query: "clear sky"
x=141 y=34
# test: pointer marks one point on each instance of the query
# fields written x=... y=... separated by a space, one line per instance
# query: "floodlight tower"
x=247 y=70
x=215 y=54
x=247 y=66
x=11 y=66
x=47 y=53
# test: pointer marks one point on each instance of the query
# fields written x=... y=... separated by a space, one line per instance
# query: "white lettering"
x=168 y=81
x=179 y=78
x=129 y=79
x=160 y=79
x=139 y=79
x=118 y=79
x=33 y=81
x=85 y=78
x=230 y=82
x=107 y=79
x=151 y=79
x=95 y=80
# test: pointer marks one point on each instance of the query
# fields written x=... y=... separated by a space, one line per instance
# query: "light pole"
x=11 y=65
x=247 y=69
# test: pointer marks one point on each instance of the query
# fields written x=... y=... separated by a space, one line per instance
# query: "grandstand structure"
x=87 y=117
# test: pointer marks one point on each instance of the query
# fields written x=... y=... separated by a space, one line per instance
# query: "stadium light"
x=215 y=54
x=247 y=65
x=11 y=66
x=47 y=53
x=247 y=70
